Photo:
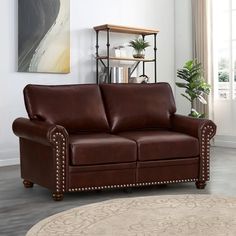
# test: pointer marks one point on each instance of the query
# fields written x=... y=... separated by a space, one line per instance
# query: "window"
x=224 y=48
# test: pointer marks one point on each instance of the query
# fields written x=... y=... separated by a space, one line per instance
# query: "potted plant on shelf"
x=139 y=45
x=195 y=85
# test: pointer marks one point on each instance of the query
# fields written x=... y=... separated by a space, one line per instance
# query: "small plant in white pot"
x=139 y=45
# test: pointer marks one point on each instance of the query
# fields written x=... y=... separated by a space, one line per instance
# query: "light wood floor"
x=21 y=208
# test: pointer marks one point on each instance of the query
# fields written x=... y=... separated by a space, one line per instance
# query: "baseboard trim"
x=10 y=162
x=225 y=141
x=227 y=144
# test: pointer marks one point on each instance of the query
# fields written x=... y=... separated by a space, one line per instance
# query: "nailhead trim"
x=131 y=185
x=207 y=132
x=60 y=162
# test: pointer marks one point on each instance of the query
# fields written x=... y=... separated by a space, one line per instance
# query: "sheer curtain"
x=224 y=65
x=201 y=28
x=214 y=45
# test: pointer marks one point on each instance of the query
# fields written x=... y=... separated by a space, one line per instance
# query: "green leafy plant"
x=139 y=45
x=195 y=85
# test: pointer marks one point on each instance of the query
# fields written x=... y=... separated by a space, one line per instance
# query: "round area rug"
x=184 y=215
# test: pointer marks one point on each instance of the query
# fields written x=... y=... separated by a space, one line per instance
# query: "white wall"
x=84 y=15
x=183 y=47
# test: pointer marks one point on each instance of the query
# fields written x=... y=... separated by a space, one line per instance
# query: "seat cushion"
x=157 y=145
x=76 y=107
x=101 y=148
x=138 y=106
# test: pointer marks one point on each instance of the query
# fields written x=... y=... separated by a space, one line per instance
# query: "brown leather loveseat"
x=89 y=137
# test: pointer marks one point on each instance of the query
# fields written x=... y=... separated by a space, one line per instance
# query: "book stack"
x=120 y=74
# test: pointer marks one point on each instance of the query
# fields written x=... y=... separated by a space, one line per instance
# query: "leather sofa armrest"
x=195 y=127
x=38 y=131
x=204 y=130
x=54 y=136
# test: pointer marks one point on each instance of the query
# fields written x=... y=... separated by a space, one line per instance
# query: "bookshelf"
x=105 y=60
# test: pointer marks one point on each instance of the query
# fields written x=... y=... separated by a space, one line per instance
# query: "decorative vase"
x=139 y=54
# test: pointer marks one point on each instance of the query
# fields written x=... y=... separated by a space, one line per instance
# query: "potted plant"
x=195 y=85
x=139 y=45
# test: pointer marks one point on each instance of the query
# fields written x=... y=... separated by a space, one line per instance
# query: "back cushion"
x=76 y=107
x=138 y=106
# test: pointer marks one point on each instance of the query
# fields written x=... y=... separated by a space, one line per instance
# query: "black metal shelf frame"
x=107 y=64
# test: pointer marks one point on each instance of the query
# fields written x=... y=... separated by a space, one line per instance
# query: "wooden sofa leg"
x=28 y=184
x=200 y=184
x=57 y=196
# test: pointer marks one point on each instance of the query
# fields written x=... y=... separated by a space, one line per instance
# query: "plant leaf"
x=202 y=99
x=189 y=64
x=186 y=97
x=196 y=114
x=182 y=85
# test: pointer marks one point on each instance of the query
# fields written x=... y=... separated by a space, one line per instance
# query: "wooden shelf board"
x=125 y=59
x=125 y=29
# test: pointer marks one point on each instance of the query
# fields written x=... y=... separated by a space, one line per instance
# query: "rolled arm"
x=193 y=126
x=204 y=130
x=51 y=135
x=38 y=131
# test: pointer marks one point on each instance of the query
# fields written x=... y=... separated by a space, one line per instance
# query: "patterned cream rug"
x=182 y=215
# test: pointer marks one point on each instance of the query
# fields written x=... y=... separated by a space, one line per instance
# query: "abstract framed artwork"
x=44 y=36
